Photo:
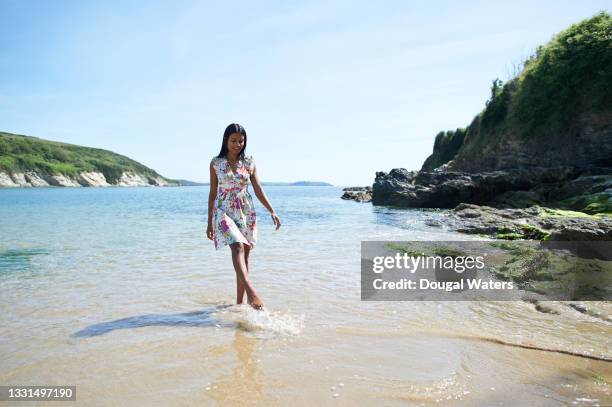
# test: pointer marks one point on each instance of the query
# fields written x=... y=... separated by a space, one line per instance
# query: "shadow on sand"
x=202 y=318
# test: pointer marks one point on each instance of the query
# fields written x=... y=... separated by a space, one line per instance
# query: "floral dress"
x=234 y=218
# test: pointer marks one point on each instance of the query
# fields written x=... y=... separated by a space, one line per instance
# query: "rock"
x=367 y=188
x=359 y=194
x=530 y=223
x=158 y=182
x=85 y=179
x=588 y=144
x=580 y=230
x=6 y=181
x=19 y=179
x=447 y=189
x=92 y=179
x=130 y=179
x=517 y=199
x=61 y=180
x=583 y=185
x=35 y=180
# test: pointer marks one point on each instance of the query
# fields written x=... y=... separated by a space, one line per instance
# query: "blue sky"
x=327 y=91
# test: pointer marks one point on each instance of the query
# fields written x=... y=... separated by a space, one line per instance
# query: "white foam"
x=265 y=321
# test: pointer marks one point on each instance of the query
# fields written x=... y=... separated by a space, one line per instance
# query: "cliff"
x=536 y=163
x=556 y=112
x=544 y=138
x=33 y=162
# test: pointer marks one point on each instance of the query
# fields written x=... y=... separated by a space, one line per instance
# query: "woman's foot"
x=256 y=303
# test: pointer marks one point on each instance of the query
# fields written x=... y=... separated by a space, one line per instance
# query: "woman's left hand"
x=276 y=220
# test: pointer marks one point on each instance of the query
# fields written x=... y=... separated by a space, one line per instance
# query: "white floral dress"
x=234 y=218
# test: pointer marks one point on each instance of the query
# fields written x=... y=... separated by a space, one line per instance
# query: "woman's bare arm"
x=212 y=195
x=261 y=195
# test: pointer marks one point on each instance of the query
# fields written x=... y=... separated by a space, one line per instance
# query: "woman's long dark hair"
x=229 y=130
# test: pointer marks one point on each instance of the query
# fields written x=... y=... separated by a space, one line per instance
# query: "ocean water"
x=119 y=292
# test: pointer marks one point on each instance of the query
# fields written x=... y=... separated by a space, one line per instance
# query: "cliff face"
x=544 y=138
x=586 y=145
x=556 y=112
x=33 y=162
x=445 y=148
x=84 y=179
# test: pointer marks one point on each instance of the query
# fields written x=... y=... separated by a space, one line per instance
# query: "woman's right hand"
x=209 y=231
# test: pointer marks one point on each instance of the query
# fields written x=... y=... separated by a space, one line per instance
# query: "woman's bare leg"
x=238 y=258
x=239 y=286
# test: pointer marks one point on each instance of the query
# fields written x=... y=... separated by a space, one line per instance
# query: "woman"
x=231 y=214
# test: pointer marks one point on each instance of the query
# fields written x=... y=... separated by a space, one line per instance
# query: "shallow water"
x=118 y=292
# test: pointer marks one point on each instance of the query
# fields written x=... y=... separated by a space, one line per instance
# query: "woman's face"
x=235 y=143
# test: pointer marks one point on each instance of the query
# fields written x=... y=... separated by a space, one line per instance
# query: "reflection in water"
x=243 y=385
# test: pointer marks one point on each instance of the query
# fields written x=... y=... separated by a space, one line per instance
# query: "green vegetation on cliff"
x=445 y=147
x=24 y=153
x=564 y=81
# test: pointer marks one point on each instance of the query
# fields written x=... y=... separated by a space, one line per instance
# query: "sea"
x=118 y=292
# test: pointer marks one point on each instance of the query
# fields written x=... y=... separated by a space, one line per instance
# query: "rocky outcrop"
x=447 y=189
x=130 y=179
x=530 y=223
x=588 y=145
x=158 y=182
x=85 y=179
x=92 y=179
x=7 y=181
x=359 y=194
x=20 y=179
x=61 y=180
x=508 y=204
x=35 y=180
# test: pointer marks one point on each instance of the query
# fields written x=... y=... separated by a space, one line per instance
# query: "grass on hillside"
x=23 y=153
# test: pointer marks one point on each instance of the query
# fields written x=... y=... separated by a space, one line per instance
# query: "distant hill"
x=310 y=184
x=187 y=183
x=31 y=161
x=34 y=162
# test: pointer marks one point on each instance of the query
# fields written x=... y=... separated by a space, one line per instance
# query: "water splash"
x=263 y=322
